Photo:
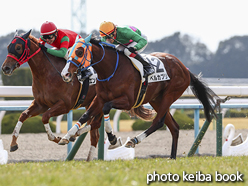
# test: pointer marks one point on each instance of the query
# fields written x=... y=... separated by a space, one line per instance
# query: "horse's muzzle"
x=67 y=77
x=7 y=70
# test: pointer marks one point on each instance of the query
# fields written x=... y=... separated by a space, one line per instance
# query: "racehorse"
x=119 y=83
x=52 y=96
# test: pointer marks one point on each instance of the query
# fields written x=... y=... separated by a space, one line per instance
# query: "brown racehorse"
x=52 y=96
x=119 y=83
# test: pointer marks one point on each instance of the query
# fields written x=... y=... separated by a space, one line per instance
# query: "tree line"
x=229 y=61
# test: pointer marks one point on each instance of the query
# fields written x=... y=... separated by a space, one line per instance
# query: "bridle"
x=25 y=56
x=86 y=58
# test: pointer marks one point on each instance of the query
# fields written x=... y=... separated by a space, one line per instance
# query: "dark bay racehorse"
x=52 y=96
x=119 y=83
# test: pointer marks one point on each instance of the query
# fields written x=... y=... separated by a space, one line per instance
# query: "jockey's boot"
x=85 y=74
x=148 y=68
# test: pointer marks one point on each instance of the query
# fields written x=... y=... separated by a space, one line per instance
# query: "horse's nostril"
x=5 y=69
x=67 y=75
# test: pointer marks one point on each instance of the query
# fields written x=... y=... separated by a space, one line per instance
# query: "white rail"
x=26 y=91
x=16 y=91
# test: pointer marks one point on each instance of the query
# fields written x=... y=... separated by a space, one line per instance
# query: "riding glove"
x=43 y=47
x=132 y=49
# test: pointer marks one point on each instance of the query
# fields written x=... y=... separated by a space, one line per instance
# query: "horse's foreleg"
x=120 y=103
x=108 y=129
x=95 y=124
x=15 y=134
x=94 y=110
x=57 y=109
x=32 y=111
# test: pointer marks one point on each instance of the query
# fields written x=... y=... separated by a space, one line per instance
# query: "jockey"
x=62 y=40
x=129 y=36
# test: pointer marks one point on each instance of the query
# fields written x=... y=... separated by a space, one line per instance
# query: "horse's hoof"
x=72 y=138
x=13 y=148
x=114 y=141
x=130 y=144
x=63 y=142
x=57 y=139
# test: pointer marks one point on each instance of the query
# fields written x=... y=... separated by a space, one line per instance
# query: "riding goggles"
x=48 y=36
x=110 y=36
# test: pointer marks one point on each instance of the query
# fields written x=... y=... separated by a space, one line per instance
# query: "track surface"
x=36 y=147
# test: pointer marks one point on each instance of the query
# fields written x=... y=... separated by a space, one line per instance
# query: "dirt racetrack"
x=36 y=147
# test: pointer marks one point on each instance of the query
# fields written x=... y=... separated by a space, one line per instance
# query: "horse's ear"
x=87 y=39
x=16 y=33
x=25 y=36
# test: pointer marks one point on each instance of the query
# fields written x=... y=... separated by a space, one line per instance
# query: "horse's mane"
x=34 y=39
x=94 y=40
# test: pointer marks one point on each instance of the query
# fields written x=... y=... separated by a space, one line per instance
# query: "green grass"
x=118 y=173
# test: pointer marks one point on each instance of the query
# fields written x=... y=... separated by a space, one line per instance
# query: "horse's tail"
x=205 y=95
x=143 y=113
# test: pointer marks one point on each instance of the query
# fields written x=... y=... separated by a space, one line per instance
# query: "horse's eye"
x=18 y=48
x=80 y=52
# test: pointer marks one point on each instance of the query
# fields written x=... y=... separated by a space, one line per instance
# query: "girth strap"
x=142 y=93
x=82 y=93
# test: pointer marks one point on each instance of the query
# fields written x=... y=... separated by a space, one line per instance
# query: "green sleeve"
x=125 y=34
x=62 y=51
x=59 y=53
x=141 y=42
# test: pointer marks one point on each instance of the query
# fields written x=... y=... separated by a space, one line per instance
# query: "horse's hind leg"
x=174 y=129
x=156 y=124
x=94 y=137
x=163 y=115
x=171 y=124
x=31 y=111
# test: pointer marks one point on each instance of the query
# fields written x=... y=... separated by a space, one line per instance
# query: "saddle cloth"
x=160 y=71
x=159 y=75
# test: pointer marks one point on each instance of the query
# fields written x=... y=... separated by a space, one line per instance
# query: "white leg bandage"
x=86 y=128
x=50 y=135
x=71 y=132
x=17 y=129
x=107 y=124
x=141 y=136
x=91 y=153
x=78 y=125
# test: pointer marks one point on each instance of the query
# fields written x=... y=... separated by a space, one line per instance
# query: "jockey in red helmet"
x=62 y=40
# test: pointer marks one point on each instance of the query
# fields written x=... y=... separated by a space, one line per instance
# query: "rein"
x=25 y=55
x=116 y=65
x=52 y=63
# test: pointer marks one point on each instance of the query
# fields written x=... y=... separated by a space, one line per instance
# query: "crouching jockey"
x=62 y=40
x=129 y=36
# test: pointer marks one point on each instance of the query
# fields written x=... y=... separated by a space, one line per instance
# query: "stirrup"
x=148 y=71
